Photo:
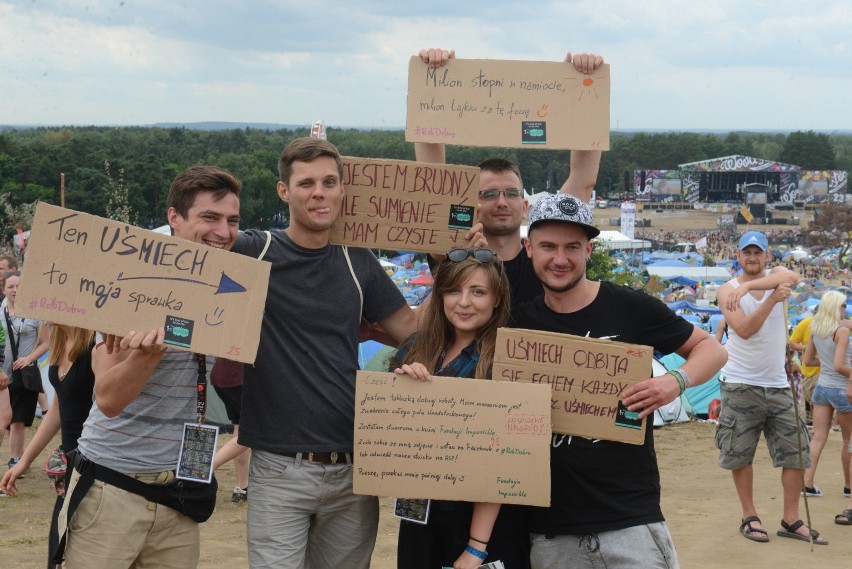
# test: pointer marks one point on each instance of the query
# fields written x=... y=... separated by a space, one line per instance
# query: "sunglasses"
x=481 y=255
x=510 y=194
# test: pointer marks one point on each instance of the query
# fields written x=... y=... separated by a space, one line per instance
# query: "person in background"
x=829 y=350
x=456 y=338
x=28 y=340
x=227 y=379
x=798 y=341
x=73 y=380
x=502 y=206
x=756 y=394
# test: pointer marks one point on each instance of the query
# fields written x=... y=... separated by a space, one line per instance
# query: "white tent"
x=695 y=273
x=613 y=239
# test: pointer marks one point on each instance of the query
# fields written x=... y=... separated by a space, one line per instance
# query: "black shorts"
x=23 y=402
x=232 y=397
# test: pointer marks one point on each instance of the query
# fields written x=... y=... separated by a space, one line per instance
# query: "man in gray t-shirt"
x=299 y=396
x=144 y=393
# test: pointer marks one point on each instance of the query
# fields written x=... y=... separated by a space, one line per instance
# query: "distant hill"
x=226 y=125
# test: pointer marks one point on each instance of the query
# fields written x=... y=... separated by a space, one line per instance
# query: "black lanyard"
x=201 y=405
x=15 y=342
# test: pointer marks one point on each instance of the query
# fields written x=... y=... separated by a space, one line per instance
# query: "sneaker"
x=239 y=495
x=812 y=491
x=847 y=492
x=12 y=462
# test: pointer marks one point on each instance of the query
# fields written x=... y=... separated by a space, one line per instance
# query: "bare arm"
x=484 y=516
x=584 y=163
x=748 y=326
x=704 y=357
x=810 y=357
x=720 y=330
x=37 y=352
x=841 y=362
x=46 y=431
x=400 y=325
x=121 y=376
x=777 y=276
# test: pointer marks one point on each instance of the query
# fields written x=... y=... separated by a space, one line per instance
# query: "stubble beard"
x=564 y=288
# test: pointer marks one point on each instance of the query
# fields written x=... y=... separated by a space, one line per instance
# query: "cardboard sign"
x=87 y=271
x=587 y=377
x=452 y=439
x=516 y=104
x=406 y=206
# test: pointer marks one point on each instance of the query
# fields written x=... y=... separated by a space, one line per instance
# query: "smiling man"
x=144 y=393
x=299 y=398
x=605 y=501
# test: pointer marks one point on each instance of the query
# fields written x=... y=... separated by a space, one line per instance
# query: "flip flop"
x=749 y=532
x=790 y=531
x=844 y=519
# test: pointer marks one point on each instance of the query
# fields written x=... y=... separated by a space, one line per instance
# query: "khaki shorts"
x=748 y=410
x=808 y=385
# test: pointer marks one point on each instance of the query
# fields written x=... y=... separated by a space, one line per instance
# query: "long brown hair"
x=435 y=331
x=81 y=342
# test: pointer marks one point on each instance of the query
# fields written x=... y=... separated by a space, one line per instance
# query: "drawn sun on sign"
x=587 y=87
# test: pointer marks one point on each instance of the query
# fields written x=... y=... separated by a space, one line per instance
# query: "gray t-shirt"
x=828 y=376
x=299 y=396
x=26 y=332
x=146 y=435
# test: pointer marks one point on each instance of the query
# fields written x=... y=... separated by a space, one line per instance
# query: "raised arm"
x=584 y=163
x=841 y=362
x=748 y=326
x=777 y=276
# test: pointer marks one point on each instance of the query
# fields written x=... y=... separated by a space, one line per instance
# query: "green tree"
x=810 y=150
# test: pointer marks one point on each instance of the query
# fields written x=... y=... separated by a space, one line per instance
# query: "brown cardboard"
x=406 y=206
x=452 y=439
x=586 y=376
x=516 y=104
x=87 y=271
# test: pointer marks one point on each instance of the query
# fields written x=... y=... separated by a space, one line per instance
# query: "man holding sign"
x=144 y=394
x=299 y=398
x=502 y=206
x=605 y=497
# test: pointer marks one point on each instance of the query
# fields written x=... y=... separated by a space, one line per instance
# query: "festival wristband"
x=476 y=553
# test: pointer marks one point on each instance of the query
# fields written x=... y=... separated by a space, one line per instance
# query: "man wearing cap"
x=756 y=395
x=605 y=498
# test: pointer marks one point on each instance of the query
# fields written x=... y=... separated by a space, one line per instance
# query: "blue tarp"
x=685 y=305
x=700 y=396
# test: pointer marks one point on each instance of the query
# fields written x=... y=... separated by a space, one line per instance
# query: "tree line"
x=142 y=161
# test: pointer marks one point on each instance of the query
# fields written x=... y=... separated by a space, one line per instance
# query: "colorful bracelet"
x=476 y=552
x=681 y=386
x=685 y=377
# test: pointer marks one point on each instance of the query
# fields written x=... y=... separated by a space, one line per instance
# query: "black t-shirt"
x=599 y=486
x=75 y=398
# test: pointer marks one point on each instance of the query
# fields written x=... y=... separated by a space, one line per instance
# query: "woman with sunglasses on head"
x=456 y=338
x=73 y=380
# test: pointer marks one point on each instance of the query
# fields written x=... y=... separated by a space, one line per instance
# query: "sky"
x=715 y=64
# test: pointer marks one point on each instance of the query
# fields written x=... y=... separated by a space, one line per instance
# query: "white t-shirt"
x=758 y=360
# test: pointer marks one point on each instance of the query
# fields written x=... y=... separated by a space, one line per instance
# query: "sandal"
x=844 y=519
x=753 y=533
x=790 y=531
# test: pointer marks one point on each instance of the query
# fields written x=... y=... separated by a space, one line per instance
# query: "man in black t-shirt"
x=605 y=497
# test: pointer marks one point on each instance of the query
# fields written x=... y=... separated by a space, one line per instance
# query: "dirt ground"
x=698 y=498
x=698 y=501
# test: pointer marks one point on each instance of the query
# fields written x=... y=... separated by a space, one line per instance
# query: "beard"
x=565 y=287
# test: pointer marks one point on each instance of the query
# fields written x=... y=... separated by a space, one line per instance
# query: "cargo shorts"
x=748 y=410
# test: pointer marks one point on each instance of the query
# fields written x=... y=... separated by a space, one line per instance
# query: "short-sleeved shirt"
x=299 y=396
x=801 y=334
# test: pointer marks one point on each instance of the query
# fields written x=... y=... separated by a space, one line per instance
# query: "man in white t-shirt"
x=756 y=395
